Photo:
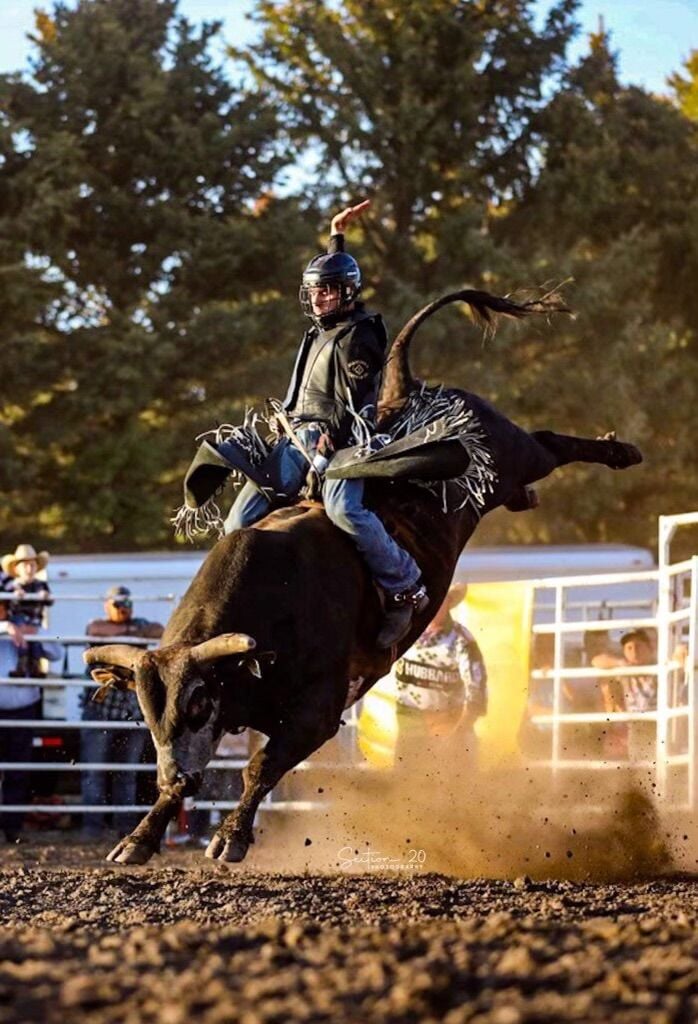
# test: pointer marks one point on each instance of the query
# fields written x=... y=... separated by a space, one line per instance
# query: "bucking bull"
x=277 y=630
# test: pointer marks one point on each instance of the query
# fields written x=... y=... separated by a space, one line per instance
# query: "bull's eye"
x=199 y=708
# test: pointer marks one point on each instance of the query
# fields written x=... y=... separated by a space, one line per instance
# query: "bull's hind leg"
x=606 y=451
x=265 y=769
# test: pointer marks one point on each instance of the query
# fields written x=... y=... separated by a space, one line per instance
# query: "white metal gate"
x=664 y=600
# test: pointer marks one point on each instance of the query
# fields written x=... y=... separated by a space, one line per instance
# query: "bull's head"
x=179 y=692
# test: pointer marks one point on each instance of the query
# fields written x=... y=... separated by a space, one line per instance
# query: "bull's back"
x=293 y=582
x=516 y=456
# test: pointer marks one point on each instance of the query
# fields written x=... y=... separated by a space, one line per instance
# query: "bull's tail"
x=486 y=310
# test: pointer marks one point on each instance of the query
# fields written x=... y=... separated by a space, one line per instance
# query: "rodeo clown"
x=337 y=373
x=441 y=690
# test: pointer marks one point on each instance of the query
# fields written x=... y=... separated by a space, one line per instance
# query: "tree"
x=494 y=161
x=153 y=260
x=685 y=87
x=133 y=180
x=425 y=104
x=613 y=206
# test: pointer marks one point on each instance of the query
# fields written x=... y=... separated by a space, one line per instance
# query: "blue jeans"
x=105 y=745
x=390 y=565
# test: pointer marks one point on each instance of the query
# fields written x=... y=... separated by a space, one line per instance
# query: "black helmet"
x=331 y=268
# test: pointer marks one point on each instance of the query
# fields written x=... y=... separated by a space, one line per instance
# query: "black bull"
x=295 y=585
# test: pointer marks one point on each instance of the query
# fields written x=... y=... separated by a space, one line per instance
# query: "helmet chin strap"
x=329 y=319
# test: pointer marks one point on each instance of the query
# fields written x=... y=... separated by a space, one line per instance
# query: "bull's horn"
x=118 y=655
x=222 y=646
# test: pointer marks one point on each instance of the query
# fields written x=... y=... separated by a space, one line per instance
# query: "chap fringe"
x=445 y=414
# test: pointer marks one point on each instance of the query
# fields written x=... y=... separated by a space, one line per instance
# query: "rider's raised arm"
x=339 y=224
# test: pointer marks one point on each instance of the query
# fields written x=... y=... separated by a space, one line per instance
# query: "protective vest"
x=328 y=377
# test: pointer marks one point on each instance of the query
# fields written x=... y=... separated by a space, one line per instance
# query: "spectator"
x=113 y=745
x=22 y=581
x=18 y=702
x=577 y=696
x=441 y=691
x=633 y=692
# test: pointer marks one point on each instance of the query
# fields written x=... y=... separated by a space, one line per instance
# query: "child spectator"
x=21 y=579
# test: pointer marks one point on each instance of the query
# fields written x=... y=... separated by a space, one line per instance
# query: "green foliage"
x=685 y=87
x=613 y=207
x=150 y=259
x=426 y=106
x=494 y=162
x=133 y=193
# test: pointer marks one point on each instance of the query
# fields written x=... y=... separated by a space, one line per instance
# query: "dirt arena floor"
x=375 y=939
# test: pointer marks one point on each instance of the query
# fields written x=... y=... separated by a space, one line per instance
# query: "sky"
x=654 y=37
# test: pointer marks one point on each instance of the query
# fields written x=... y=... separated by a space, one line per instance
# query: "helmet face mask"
x=336 y=276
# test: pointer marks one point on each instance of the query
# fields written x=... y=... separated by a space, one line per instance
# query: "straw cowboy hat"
x=24 y=553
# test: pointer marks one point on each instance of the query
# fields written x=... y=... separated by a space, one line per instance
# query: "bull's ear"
x=109 y=678
x=222 y=646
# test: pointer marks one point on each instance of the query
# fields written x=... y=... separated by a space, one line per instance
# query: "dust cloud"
x=507 y=823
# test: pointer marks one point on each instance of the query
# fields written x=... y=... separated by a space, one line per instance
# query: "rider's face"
x=324 y=298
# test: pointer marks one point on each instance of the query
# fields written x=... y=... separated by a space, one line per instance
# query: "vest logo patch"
x=359 y=369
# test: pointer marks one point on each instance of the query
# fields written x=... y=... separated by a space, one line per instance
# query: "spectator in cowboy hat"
x=112 y=745
x=17 y=703
x=21 y=580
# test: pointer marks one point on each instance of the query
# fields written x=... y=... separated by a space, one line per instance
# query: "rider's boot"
x=399 y=611
x=522 y=499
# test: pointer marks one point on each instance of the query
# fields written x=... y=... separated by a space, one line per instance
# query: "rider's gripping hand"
x=324 y=446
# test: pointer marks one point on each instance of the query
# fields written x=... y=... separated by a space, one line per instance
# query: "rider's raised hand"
x=342 y=219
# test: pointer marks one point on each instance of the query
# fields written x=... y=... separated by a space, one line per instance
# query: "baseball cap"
x=119 y=595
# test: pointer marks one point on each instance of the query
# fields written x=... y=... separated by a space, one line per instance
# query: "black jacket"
x=338 y=368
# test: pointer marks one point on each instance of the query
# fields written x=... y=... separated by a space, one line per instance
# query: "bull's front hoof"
x=129 y=852
x=231 y=850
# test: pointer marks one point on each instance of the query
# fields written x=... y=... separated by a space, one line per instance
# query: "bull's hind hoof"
x=127 y=852
x=621 y=455
x=231 y=851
